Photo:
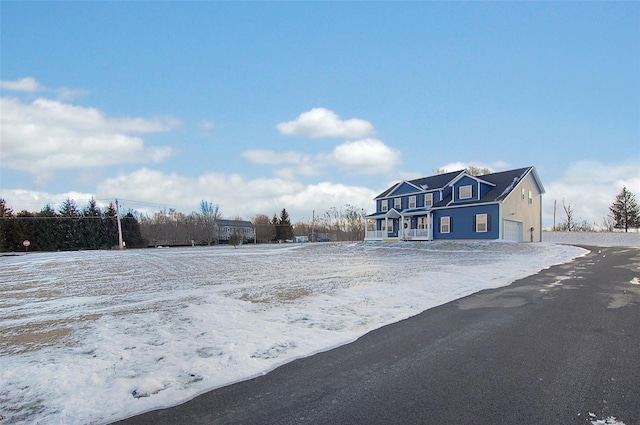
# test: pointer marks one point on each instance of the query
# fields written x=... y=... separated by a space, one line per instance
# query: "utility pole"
x=120 y=244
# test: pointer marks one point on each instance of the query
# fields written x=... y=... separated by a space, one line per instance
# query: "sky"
x=191 y=320
x=259 y=106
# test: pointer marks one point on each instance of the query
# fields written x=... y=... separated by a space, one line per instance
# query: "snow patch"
x=611 y=420
x=97 y=336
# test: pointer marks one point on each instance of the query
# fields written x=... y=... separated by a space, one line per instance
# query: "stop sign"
x=26 y=243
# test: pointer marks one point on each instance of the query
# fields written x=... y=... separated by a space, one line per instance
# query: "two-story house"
x=459 y=206
x=245 y=229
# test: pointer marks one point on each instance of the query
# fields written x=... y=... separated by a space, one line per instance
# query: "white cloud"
x=27 y=84
x=236 y=195
x=590 y=187
x=48 y=135
x=207 y=125
x=321 y=122
x=369 y=156
x=301 y=164
x=263 y=156
x=31 y=85
x=33 y=201
x=494 y=166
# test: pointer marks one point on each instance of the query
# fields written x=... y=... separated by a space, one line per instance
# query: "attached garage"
x=512 y=230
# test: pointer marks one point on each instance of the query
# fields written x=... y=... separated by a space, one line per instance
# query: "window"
x=390 y=227
x=530 y=198
x=412 y=201
x=481 y=222
x=397 y=203
x=445 y=224
x=384 y=205
x=465 y=192
x=422 y=222
x=522 y=194
x=428 y=200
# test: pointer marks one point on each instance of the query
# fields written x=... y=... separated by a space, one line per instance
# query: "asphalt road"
x=558 y=347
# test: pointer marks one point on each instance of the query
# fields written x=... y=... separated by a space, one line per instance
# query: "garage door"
x=512 y=230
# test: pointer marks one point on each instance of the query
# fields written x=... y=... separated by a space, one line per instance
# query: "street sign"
x=26 y=243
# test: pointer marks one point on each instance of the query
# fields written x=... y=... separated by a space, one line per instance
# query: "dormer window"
x=465 y=192
x=397 y=203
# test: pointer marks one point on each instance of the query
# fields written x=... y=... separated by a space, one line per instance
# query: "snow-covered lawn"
x=95 y=336
x=631 y=238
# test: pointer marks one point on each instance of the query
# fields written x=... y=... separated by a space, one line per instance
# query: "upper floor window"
x=397 y=203
x=481 y=222
x=465 y=192
x=384 y=205
x=445 y=224
x=428 y=200
x=412 y=201
x=530 y=197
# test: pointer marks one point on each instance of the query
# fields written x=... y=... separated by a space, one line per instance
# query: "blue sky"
x=312 y=105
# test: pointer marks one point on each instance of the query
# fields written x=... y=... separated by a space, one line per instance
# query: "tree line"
x=74 y=228
x=170 y=227
x=68 y=228
x=624 y=214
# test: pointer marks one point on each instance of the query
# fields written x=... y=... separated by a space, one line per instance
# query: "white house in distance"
x=459 y=206
x=244 y=228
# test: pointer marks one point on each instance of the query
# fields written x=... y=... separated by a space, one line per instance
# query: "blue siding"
x=466 y=181
x=463 y=224
x=484 y=189
x=404 y=189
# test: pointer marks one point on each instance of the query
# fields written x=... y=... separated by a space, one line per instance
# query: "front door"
x=406 y=227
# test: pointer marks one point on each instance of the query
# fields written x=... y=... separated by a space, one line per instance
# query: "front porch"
x=402 y=235
x=395 y=226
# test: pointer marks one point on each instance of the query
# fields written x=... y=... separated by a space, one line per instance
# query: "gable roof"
x=425 y=183
x=504 y=182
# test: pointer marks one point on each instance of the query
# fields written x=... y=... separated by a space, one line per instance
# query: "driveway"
x=558 y=347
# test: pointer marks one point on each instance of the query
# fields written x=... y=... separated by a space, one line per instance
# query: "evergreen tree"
x=25 y=228
x=131 y=232
x=7 y=225
x=109 y=227
x=91 y=226
x=47 y=230
x=625 y=211
x=284 y=229
x=70 y=225
x=276 y=227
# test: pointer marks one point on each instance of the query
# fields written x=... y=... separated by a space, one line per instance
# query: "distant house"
x=300 y=239
x=245 y=229
x=459 y=206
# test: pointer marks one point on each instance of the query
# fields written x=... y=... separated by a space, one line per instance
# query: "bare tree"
x=265 y=230
x=569 y=223
x=477 y=171
x=209 y=216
